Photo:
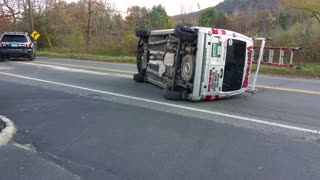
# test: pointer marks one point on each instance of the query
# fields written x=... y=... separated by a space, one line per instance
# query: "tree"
x=240 y=21
x=312 y=6
x=221 y=19
x=88 y=25
x=284 y=19
x=159 y=19
x=264 y=21
x=14 y=9
x=208 y=17
x=137 y=18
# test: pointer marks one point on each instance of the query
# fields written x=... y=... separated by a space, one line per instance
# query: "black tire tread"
x=142 y=33
x=139 y=78
x=172 y=95
x=184 y=35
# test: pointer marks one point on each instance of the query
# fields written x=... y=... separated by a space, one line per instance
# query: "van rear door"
x=213 y=74
x=234 y=65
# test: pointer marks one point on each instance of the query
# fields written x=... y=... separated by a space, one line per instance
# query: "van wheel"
x=172 y=95
x=187 y=68
x=139 y=78
x=185 y=32
x=142 y=33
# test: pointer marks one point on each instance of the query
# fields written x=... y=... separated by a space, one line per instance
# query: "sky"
x=173 y=7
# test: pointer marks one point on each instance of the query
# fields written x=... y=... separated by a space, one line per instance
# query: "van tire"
x=142 y=33
x=188 y=68
x=185 y=32
x=172 y=95
x=139 y=78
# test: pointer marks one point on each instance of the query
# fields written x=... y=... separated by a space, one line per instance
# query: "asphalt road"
x=90 y=120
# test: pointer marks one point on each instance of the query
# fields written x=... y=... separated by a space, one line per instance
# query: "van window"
x=215 y=49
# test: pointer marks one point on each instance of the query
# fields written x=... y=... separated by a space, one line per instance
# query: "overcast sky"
x=173 y=7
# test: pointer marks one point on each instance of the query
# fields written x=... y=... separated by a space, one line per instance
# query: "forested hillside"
x=229 y=6
x=96 y=26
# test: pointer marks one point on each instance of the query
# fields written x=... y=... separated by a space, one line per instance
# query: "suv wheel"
x=32 y=57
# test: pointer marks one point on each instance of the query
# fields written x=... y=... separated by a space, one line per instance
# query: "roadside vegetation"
x=96 y=30
x=102 y=58
x=303 y=70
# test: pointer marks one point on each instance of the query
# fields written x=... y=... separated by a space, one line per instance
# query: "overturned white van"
x=195 y=63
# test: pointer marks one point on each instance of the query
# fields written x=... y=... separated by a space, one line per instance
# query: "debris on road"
x=2 y=125
x=7 y=132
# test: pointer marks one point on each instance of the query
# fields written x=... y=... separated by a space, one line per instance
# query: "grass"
x=93 y=57
x=307 y=70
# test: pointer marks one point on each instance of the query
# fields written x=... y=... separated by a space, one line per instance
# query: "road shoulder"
x=18 y=163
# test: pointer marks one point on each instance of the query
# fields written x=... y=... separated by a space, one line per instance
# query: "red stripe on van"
x=246 y=78
x=208 y=98
x=210 y=80
x=215 y=31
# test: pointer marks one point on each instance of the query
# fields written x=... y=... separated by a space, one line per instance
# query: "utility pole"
x=30 y=16
x=88 y=25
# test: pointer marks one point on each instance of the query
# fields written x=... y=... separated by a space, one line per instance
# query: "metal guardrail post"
x=281 y=54
x=271 y=52
x=263 y=43
x=291 y=58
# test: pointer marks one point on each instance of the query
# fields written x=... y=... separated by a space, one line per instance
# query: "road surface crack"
x=63 y=162
x=73 y=141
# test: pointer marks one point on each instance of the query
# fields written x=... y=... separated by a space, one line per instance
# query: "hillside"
x=229 y=6
x=191 y=18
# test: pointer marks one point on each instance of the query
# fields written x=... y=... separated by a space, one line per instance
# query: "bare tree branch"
x=316 y=15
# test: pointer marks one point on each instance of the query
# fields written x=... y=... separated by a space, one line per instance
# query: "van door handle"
x=221 y=73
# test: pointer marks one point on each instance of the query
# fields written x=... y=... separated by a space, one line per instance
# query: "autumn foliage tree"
x=289 y=23
x=312 y=6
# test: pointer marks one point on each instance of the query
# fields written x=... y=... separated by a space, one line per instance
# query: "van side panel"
x=200 y=64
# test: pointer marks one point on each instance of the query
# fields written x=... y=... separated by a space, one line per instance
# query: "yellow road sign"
x=35 y=35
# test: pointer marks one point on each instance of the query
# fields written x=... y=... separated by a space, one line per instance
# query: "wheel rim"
x=187 y=68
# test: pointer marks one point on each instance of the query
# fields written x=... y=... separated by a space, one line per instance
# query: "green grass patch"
x=92 y=57
x=306 y=70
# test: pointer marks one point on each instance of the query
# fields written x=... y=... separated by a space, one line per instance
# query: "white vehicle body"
x=208 y=64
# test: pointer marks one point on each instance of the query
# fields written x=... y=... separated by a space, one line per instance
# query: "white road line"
x=123 y=74
x=274 y=124
x=61 y=68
